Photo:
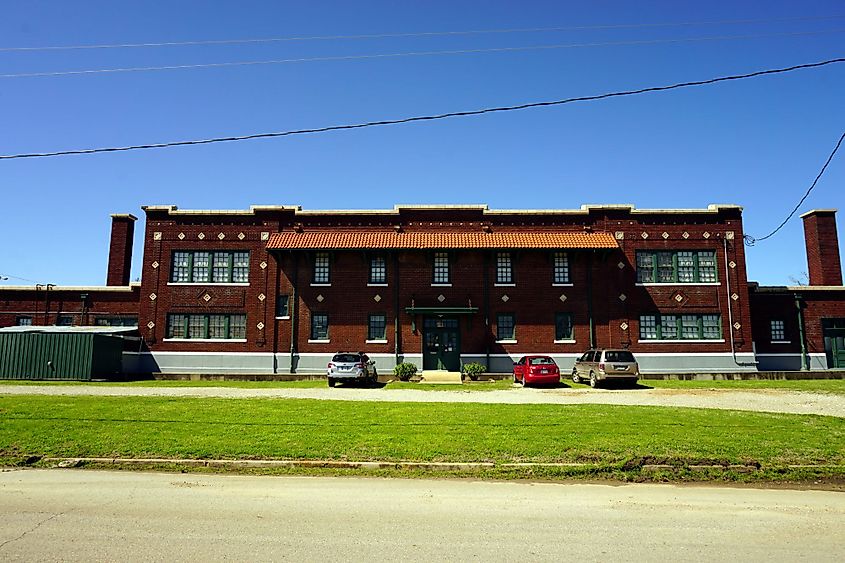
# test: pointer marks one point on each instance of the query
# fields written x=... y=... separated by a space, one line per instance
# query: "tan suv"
x=602 y=365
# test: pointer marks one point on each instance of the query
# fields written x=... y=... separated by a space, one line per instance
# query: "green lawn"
x=611 y=437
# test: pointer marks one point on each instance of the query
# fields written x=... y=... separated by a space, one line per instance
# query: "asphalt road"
x=51 y=515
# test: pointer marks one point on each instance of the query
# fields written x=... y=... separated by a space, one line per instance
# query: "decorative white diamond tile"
x=260 y=326
x=320 y=298
x=732 y=264
x=206 y=297
x=377 y=298
x=265 y=235
x=737 y=326
x=620 y=235
x=562 y=297
x=665 y=235
x=734 y=296
x=201 y=236
x=263 y=264
x=241 y=236
x=261 y=297
x=181 y=236
x=221 y=236
x=678 y=297
x=154 y=264
x=505 y=298
x=153 y=296
x=729 y=235
x=150 y=325
x=157 y=235
x=685 y=234
x=441 y=298
x=644 y=235
x=624 y=326
x=622 y=297
x=706 y=234
x=620 y=265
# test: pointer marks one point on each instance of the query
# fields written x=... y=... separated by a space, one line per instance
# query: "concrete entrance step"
x=441 y=377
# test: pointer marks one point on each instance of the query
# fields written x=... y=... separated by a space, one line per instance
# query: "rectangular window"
x=778 y=329
x=377 y=327
x=678 y=266
x=680 y=327
x=563 y=326
x=23 y=321
x=128 y=320
x=378 y=269
x=64 y=320
x=505 y=326
x=205 y=327
x=319 y=326
x=195 y=266
x=321 y=268
x=561 y=267
x=283 y=306
x=504 y=267
x=441 y=267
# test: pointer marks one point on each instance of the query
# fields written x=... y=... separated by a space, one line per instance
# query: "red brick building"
x=276 y=289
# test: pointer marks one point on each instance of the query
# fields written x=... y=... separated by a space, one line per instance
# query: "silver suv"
x=351 y=366
x=600 y=365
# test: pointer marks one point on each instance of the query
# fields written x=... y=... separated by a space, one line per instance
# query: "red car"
x=536 y=369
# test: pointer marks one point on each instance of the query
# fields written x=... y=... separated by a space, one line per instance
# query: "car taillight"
x=359 y=366
x=601 y=366
x=330 y=366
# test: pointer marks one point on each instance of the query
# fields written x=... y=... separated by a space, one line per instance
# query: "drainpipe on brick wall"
x=294 y=317
x=396 y=329
x=486 y=299
x=802 y=336
x=590 y=299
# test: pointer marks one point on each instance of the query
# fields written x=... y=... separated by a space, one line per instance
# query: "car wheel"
x=575 y=377
x=331 y=382
x=594 y=382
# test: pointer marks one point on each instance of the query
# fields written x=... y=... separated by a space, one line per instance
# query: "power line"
x=7 y=276
x=413 y=54
x=428 y=117
x=751 y=241
x=418 y=34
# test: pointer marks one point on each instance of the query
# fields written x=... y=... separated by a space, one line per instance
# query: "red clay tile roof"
x=436 y=240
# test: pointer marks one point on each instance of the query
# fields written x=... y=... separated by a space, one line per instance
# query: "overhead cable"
x=427 y=117
x=410 y=54
x=419 y=34
x=751 y=241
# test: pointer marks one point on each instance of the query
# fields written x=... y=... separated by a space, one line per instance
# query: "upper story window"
x=560 y=268
x=195 y=266
x=778 y=330
x=441 y=268
x=680 y=327
x=678 y=266
x=322 y=271
x=378 y=269
x=504 y=267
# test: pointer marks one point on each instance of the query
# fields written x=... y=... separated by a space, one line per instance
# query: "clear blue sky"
x=757 y=143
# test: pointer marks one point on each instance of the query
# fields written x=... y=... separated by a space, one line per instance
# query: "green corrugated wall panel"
x=107 y=357
x=46 y=355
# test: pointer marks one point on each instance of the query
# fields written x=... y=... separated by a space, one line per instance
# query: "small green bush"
x=405 y=371
x=474 y=369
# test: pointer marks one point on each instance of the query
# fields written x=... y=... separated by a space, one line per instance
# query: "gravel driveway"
x=759 y=400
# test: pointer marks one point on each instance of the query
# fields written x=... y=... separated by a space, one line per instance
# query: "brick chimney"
x=822 y=247
x=120 y=249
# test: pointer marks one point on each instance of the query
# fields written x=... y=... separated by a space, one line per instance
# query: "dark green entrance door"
x=834 y=342
x=441 y=344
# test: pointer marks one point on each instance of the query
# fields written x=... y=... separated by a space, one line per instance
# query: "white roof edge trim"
x=112 y=288
x=810 y=212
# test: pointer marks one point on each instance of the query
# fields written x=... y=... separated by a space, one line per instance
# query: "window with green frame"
x=563 y=326
x=206 y=327
x=282 y=306
x=505 y=326
x=319 y=326
x=680 y=327
x=201 y=266
x=377 y=327
x=677 y=266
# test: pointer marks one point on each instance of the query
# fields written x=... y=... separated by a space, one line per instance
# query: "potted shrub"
x=405 y=371
x=473 y=370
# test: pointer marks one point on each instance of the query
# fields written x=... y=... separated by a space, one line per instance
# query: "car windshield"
x=346 y=358
x=619 y=356
x=544 y=361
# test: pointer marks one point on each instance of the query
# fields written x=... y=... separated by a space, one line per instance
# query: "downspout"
x=802 y=336
x=486 y=300
x=590 y=299
x=294 y=317
x=278 y=261
x=730 y=310
x=396 y=328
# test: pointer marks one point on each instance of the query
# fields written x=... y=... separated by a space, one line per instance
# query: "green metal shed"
x=63 y=353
